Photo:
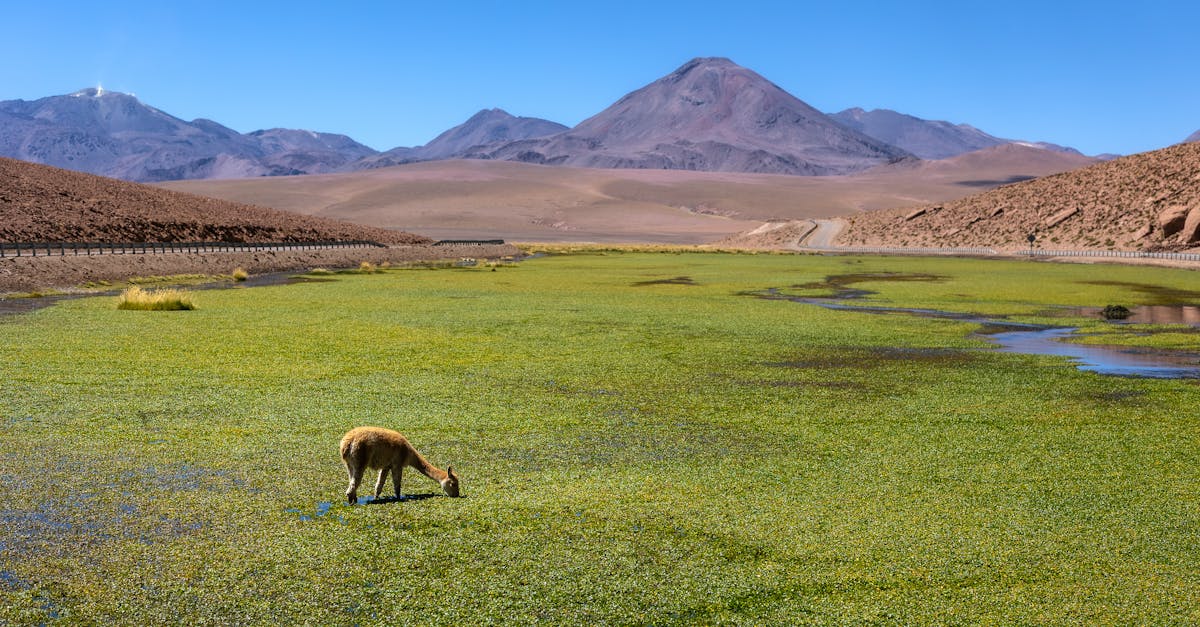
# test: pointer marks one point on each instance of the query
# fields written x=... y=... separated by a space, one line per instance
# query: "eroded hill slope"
x=1147 y=201
x=41 y=203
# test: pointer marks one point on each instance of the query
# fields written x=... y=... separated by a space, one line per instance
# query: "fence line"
x=1128 y=254
x=62 y=249
x=1115 y=254
x=471 y=242
x=905 y=251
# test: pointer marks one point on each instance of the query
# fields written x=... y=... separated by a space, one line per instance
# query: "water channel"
x=1029 y=339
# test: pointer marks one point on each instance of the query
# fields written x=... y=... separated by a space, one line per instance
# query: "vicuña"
x=375 y=447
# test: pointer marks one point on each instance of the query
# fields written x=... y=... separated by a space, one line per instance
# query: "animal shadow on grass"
x=367 y=500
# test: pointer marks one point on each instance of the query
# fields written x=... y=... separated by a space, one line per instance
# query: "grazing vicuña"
x=375 y=447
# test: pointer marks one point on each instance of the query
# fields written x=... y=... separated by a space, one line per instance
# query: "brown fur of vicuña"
x=387 y=450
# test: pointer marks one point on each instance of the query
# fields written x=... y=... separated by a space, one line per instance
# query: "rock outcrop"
x=1147 y=201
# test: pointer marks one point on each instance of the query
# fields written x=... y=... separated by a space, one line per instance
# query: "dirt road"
x=823 y=235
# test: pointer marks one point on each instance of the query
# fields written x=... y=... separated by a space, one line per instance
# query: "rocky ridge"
x=1147 y=201
x=40 y=203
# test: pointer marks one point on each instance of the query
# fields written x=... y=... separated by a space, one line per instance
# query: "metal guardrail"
x=905 y=251
x=469 y=242
x=1119 y=254
x=62 y=249
x=1112 y=254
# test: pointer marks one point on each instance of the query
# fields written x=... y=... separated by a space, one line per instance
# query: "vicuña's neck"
x=429 y=470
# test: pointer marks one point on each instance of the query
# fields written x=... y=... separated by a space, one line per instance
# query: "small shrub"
x=366 y=267
x=1115 y=312
x=155 y=300
x=240 y=274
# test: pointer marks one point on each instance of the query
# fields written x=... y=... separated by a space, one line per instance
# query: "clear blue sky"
x=1101 y=76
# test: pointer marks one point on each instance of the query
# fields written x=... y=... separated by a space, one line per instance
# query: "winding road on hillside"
x=823 y=235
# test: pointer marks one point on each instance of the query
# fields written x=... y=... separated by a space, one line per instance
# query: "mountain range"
x=713 y=115
x=927 y=139
x=116 y=135
x=710 y=114
x=488 y=127
x=930 y=139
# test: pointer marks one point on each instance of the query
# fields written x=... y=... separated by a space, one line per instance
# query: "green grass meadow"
x=641 y=440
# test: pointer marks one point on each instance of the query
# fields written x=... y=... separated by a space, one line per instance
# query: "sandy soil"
x=24 y=274
x=523 y=202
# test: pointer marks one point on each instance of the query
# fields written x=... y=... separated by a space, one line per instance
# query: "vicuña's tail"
x=348 y=448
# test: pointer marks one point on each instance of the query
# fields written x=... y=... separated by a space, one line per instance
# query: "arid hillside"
x=40 y=203
x=526 y=202
x=1147 y=201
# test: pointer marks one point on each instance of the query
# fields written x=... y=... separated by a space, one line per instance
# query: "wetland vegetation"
x=641 y=440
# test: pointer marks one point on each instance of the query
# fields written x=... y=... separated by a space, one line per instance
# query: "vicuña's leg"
x=379 y=484
x=356 y=473
x=397 y=472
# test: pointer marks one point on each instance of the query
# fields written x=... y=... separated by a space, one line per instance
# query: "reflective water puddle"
x=1108 y=360
x=322 y=509
x=1033 y=339
x=1142 y=314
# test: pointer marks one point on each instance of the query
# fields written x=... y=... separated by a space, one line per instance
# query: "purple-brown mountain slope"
x=710 y=114
x=1194 y=137
x=930 y=139
x=116 y=135
x=488 y=127
x=307 y=152
x=927 y=139
x=1147 y=201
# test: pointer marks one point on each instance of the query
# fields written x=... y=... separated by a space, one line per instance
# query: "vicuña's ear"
x=450 y=470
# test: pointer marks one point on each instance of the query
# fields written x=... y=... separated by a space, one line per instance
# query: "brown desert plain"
x=523 y=202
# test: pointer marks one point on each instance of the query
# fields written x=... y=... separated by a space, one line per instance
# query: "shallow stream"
x=1109 y=360
x=1030 y=339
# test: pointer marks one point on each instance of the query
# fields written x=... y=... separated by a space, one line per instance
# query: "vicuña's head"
x=450 y=483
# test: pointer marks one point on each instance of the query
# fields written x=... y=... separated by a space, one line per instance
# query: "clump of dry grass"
x=367 y=267
x=240 y=274
x=166 y=299
x=320 y=272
